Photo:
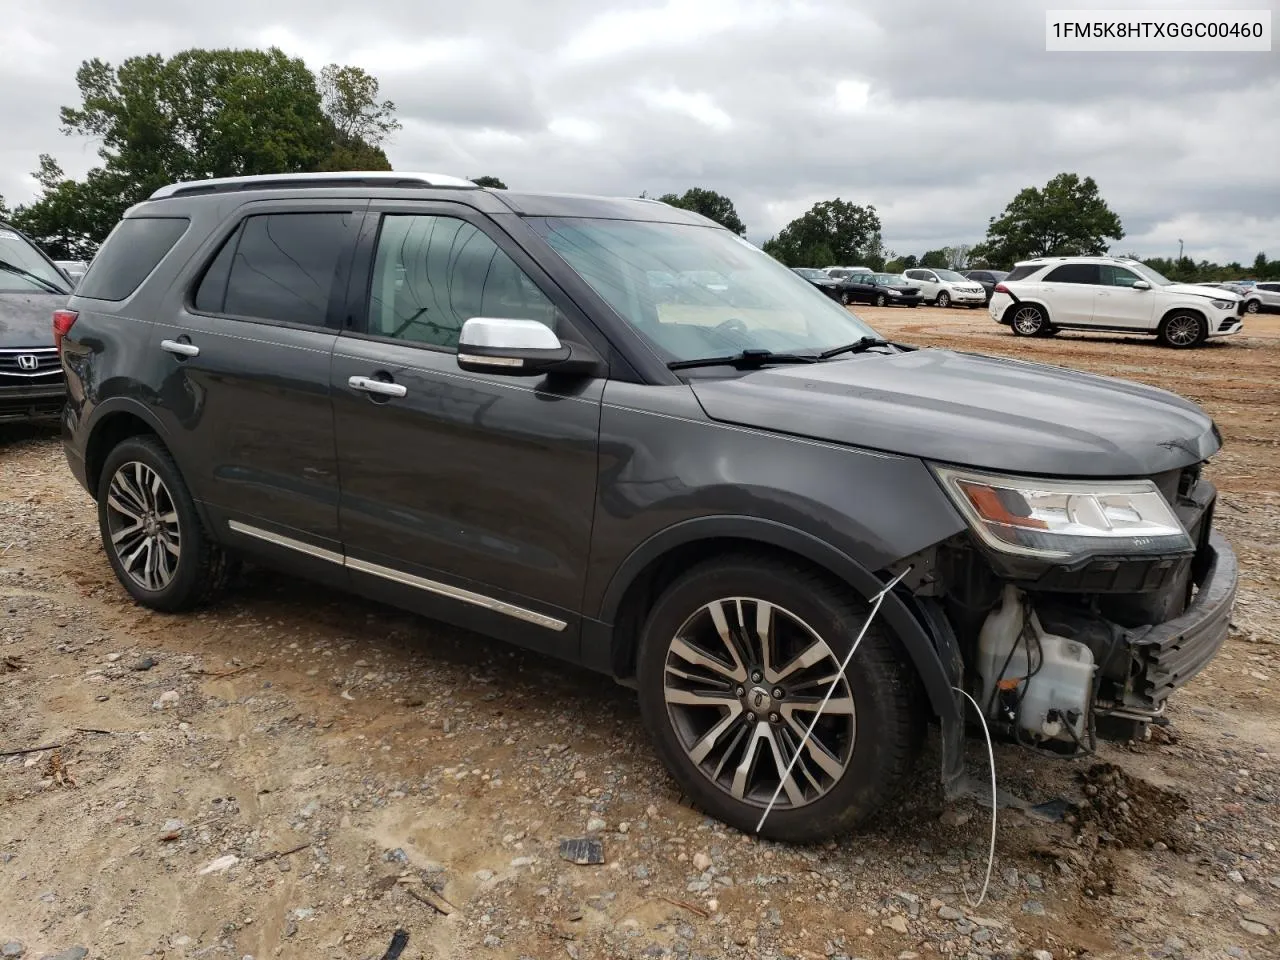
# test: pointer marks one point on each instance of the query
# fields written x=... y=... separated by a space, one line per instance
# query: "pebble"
x=1033 y=907
x=1041 y=955
x=897 y=923
x=166 y=701
x=1235 y=876
x=701 y=862
x=143 y=664
x=522 y=861
x=1244 y=900
x=71 y=953
x=12 y=949
x=484 y=876
x=112 y=657
x=220 y=865
x=952 y=817
x=1253 y=927
x=949 y=913
x=595 y=825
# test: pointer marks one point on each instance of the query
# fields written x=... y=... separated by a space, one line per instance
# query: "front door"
x=466 y=496
x=1069 y=292
x=245 y=397
x=1119 y=304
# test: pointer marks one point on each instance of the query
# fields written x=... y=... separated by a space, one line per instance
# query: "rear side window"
x=1018 y=273
x=1074 y=273
x=135 y=248
x=278 y=266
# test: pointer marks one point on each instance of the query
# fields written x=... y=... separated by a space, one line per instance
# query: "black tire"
x=888 y=714
x=1252 y=306
x=943 y=299
x=1182 y=330
x=1028 y=320
x=845 y=298
x=202 y=568
x=881 y=300
x=913 y=305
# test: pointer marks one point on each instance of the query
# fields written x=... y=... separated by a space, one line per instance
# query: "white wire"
x=991 y=850
x=835 y=682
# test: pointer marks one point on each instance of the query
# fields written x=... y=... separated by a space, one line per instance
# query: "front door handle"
x=180 y=348
x=381 y=387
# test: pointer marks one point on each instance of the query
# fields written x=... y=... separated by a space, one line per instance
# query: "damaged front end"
x=1077 y=607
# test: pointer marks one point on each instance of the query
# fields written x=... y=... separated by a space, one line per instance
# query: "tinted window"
x=1269 y=287
x=283 y=267
x=25 y=269
x=1114 y=276
x=1073 y=273
x=1017 y=273
x=212 y=292
x=432 y=274
x=132 y=250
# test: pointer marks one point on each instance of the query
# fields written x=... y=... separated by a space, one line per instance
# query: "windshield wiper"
x=747 y=358
x=860 y=345
x=10 y=268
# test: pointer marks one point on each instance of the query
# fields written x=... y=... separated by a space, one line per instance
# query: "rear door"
x=466 y=496
x=1269 y=294
x=246 y=396
x=1119 y=304
x=1069 y=291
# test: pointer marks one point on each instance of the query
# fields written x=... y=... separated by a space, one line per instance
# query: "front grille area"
x=29 y=366
x=34 y=408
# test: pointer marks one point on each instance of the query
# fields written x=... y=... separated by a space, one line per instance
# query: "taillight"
x=1000 y=288
x=63 y=320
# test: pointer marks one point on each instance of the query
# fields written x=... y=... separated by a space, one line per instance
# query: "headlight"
x=893 y=293
x=1065 y=520
x=1225 y=304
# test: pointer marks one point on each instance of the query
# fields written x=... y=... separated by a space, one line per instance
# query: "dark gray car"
x=490 y=407
x=31 y=288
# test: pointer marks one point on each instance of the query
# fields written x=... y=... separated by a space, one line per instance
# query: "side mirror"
x=1141 y=285
x=520 y=348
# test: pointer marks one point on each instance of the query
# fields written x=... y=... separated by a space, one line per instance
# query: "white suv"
x=945 y=287
x=1042 y=296
x=1261 y=296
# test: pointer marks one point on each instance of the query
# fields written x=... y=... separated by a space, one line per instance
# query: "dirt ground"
x=295 y=773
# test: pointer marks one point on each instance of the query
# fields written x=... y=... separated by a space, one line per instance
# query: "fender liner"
x=914 y=635
x=108 y=408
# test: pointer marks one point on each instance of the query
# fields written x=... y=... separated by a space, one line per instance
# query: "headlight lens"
x=1065 y=520
x=1225 y=304
x=893 y=293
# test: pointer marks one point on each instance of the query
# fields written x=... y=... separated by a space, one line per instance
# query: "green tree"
x=830 y=232
x=69 y=216
x=714 y=206
x=493 y=183
x=349 y=98
x=935 y=260
x=1067 y=218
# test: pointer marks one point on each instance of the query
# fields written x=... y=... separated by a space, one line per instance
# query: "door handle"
x=180 y=348
x=381 y=387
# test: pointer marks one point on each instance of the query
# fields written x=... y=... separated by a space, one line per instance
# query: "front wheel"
x=881 y=300
x=151 y=532
x=1253 y=306
x=943 y=299
x=1029 y=320
x=1182 y=330
x=735 y=658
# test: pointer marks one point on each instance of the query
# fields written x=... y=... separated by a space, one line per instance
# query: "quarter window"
x=432 y=274
x=1074 y=273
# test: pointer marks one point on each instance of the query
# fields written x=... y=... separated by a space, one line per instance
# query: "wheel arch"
x=113 y=422
x=1007 y=316
x=660 y=559
x=1186 y=308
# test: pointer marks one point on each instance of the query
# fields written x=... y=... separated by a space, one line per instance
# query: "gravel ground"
x=300 y=774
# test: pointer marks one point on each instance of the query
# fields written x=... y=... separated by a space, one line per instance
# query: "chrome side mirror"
x=520 y=348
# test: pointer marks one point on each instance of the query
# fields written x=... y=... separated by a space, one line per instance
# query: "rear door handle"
x=179 y=348
x=381 y=387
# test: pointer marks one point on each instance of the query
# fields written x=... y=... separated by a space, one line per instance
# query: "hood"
x=1208 y=293
x=26 y=319
x=1001 y=415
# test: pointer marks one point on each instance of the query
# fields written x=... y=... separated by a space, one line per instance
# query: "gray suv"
x=490 y=407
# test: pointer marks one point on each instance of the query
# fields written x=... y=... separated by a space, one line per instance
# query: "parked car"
x=1042 y=296
x=1261 y=296
x=701 y=501
x=31 y=288
x=987 y=279
x=827 y=284
x=841 y=273
x=945 y=287
x=74 y=269
x=880 y=289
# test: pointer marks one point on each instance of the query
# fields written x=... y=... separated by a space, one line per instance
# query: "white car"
x=1261 y=296
x=1115 y=294
x=843 y=273
x=945 y=287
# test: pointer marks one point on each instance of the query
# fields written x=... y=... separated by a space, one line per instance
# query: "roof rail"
x=314 y=181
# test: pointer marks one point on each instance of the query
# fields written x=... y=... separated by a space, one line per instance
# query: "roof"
x=284 y=181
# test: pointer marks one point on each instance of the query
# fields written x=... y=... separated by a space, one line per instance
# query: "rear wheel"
x=1028 y=320
x=1182 y=330
x=943 y=299
x=735 y=658
x=153 y=536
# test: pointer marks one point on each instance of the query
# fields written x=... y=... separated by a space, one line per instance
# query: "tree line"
x=225 y=113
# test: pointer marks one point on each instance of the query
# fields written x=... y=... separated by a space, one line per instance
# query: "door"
x=468 y=497
x=1269 y=294
x=1119 y=304
x=246 y=397
x=1068 y=291
x=863 y=287
x=926 y=281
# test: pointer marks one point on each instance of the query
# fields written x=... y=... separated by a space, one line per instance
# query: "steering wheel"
x=733 y=325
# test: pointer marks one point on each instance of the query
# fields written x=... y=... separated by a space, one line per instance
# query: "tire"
x=1182 y=330
x=140 y=484
x=943 y=299
x=870 y=734
x=1252 y=306
x=1028 y=320
x=913 y=305
x=881 y=300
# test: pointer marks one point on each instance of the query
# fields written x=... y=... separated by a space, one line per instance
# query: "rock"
x=1033 y=907
x=492 y=941
x=112 y=657
x=1253 y=927
x=713 y=905
x=640 y=872
x=986 y=922
x=949 y=913
x=1235 y=876
x=172 y=826
x=142 y=664
x=220 y=865
x=897 y=923
x=908 y=955
x=12 y=949
x=166 y=701
x=1034 y=882
x=71 y=953
x=1041 y=955
x=701 y=862
x=1244 y=900
x=522 y=861
x=484 y=876
x=952 y=817
x=1010 y=876
x=982 y=935
x=595 y=825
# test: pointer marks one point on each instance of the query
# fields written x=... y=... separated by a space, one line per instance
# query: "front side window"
x=1113 y=276
x=432 y=274
x=278 y=266
x=755 y=302
x=890 y=280
x=1074 y=273
x=23 y=269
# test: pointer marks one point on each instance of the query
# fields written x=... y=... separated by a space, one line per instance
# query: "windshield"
x=949 y=275
x=23 y=269
x=890 y=280
x=730 y=297
x=1151 y=275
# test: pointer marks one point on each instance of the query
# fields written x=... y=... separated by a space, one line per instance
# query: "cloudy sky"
x=937 y=113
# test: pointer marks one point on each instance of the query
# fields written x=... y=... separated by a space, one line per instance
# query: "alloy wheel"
x=1027 y=320
x=143 y=525
x=742 y=682
x=1251 y=306
x=1182 y=331
x=943 y=300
